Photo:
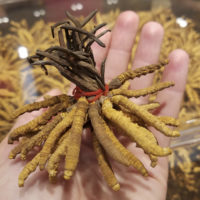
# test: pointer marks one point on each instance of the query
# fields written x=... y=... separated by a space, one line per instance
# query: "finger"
x=171 y=98
x=123 y=36
x=147 y=52
x=100 y=53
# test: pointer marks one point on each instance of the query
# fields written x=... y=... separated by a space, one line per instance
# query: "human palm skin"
x=87 y=182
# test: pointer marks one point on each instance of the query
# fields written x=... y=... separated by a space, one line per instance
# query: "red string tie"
x=77 y=92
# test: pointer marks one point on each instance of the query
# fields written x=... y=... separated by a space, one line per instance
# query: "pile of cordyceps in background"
x=14 y=70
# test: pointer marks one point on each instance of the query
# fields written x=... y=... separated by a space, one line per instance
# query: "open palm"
x=87 y=182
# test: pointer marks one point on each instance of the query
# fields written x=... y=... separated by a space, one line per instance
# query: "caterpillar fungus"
x=94 y=103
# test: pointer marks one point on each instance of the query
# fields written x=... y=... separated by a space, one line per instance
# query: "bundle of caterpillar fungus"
x=58 y=131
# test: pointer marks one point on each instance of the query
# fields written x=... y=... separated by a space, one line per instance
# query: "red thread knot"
x=77 y=92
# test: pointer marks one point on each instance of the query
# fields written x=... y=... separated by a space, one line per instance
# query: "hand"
x=88 y=183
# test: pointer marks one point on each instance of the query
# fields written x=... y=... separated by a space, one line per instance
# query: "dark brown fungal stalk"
x=58 y=131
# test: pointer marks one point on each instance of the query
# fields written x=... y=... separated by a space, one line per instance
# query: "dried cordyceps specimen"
x=101 y=106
